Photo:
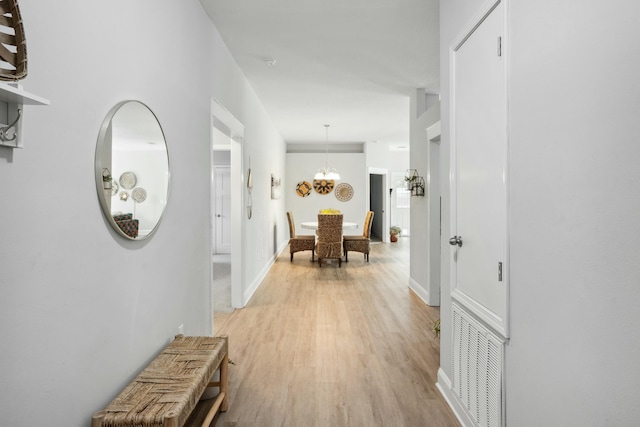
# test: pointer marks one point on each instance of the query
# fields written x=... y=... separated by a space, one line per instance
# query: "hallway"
x=350 y=346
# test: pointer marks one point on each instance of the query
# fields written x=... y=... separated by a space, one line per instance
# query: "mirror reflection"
x=132 y=170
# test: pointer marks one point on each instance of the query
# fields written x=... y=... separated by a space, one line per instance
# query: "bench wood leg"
x=222 y=401
x=171 y=420
x=97 y=419
x=224 y=382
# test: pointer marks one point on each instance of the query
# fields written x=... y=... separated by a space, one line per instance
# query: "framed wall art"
x=275 y=187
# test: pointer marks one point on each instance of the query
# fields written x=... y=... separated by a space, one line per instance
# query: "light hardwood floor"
x=349 y=346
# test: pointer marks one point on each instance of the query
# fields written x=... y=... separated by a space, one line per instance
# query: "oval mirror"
x=132 y=170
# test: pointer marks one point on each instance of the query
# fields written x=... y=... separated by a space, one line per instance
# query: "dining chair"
x=329 y=245
x=299 y=243
x=359 y=243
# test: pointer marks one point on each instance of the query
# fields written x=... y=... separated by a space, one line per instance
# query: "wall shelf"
x=14 y=94
x=12 y=101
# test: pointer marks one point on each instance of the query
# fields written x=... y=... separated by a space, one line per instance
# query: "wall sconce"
x=107 y=179
x=415 y=183
x=419 y=187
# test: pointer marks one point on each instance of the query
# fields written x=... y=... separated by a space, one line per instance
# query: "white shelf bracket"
x=4 y=130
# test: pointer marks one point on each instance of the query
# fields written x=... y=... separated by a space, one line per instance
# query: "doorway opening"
x=221 y=227
x=226 y=200
x=376 y=205
x=379 y=204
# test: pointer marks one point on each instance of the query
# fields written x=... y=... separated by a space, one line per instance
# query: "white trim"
x=248 y=294
x=482 y=313
x=445 y=388
x=434 y=212
x=434 y=131
x=237 y=223
x=221 y=113
x=506 y=273
x=421 y=292
x=475 y=22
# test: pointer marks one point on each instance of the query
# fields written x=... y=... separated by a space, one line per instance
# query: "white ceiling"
x=348 y=63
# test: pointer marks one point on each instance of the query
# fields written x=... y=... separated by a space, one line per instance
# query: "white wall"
x=82 y=309
x=573 y=357
x=303 y=166
x=267 y=230
x=381 y=156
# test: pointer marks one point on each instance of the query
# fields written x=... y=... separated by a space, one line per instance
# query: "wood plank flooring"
x=349 y=346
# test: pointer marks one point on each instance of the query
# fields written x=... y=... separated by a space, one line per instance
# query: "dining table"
x=314 y=225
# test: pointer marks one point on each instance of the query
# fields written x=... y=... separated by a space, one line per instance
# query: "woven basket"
x=13 y=47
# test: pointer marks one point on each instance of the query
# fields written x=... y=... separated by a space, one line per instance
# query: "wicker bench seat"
x=165 y=393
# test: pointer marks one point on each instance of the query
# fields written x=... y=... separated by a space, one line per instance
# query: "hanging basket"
x=13 y=46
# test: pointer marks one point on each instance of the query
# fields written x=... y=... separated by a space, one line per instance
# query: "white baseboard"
x=444 y=385
x=420 y=291
x=263 y=273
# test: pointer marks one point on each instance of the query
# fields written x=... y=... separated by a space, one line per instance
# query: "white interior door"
x=479 y=172
x=223 y=209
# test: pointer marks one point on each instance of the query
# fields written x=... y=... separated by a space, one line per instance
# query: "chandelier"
x=326 y=172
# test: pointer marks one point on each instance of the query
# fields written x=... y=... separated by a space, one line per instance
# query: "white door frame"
x=434 y=227
x=385 y=197
x=224 y=121
x=500 y=324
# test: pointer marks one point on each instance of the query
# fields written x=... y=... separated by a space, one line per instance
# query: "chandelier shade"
x=326 y=172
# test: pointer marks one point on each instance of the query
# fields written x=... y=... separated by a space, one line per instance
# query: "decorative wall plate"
x=323 y=186
x=139 y=195
x=128 y=180
x=344 y=192
x=303 y=189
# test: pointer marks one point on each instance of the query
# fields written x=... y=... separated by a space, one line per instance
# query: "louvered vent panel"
x=477 y=369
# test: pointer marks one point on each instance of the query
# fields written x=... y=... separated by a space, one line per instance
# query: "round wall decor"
x=323 y=186
x=303 y=189
x=128 y=180
x=344 y=192
x=139 y=195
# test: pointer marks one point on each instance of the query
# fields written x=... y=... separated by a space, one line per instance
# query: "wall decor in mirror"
x=132 y=151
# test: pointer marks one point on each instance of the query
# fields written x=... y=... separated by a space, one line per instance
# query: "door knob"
x=455 y=240
x=218 y=215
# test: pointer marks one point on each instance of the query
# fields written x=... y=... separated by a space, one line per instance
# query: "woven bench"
x=165 y=393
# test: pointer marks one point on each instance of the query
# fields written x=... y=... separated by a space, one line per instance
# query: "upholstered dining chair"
x=359 y=243
x=299 y=243
x=329 y=245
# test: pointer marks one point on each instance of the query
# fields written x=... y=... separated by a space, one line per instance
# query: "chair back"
x=366 y=228
x=329 y=238
x=329 y=243
x=329 y=228
x=292 y=226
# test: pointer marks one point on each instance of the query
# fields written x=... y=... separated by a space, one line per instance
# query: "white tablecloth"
x=314 y=225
